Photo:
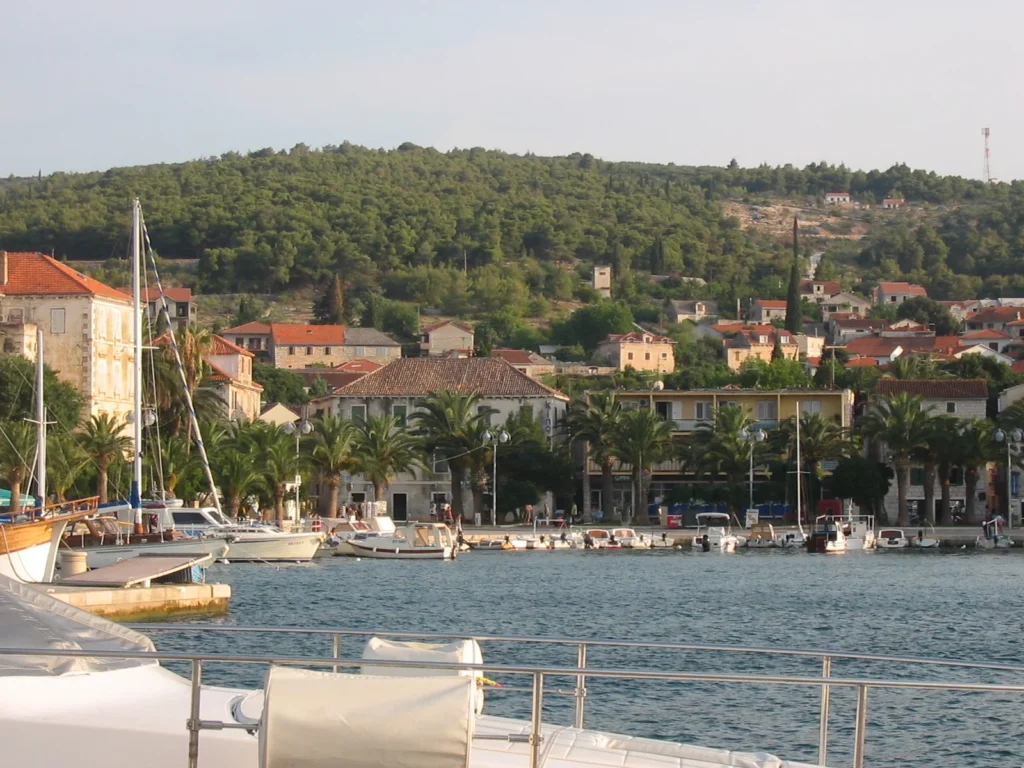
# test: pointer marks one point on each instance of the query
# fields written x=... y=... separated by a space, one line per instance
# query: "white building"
x=837 y=198
x=398 y=389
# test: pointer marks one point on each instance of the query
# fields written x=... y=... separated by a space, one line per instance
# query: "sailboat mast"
x=136 y=491
x=798 y=465
x=40 y=423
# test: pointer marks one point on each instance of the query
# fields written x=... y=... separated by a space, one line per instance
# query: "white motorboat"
x=596 y=538
x=101 y=699
x=339 y=536
x=925 y=542
x=762 y=536
x=630 y=539
x=253 y=543
x=859 y=531
x=416 y=541
x=991 y=537
x=791 y=539
x=714 y=533
x=891 y=538
x=827 y=536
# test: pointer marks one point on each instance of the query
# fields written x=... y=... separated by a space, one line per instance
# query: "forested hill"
x=271 y=219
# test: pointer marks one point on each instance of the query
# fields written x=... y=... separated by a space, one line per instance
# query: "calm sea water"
x=965 y=606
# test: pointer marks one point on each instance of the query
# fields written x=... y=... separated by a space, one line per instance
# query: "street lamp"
x=1011 y=438
x=757 y=436
x=494 y=439
x=300 y=429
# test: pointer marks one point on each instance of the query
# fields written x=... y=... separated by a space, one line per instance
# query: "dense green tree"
x=105 y=441
x=330 y=450
x=928 y=312
x=642 y=439
x=901 y=423
x=383 y=449
x=861 y=479
x=794 y=315
x=17 y=393
x=279 y=384
x=329 y=307
x=594 y=421
x=248 y=311
x=589 y=325
x=17 y=457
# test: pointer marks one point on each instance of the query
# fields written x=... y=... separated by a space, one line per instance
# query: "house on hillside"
x=844 y=303
x=892 y=203
x=984 y=351
x=87 y=328
x=179 y=306
x=231 y=378
x=759 y=344
x=766 y=310
x=526 y=361
x=253 y=336
x=998 y=341
x=897 y=293
x=640 y=350
x=962 y=398
x=819 y=290
x=837 y=198
x=445 y=337
x=994 y=319
x=602 y=280
x=694 y=310
x=398 y=390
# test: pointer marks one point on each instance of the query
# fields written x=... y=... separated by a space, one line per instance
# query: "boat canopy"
x=30 y=618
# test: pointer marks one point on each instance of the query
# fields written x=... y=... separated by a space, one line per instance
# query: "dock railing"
x=540 y=674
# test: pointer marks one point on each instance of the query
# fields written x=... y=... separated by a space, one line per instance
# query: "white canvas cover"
x=30 y=618
x=457 y=652
x=323 y=720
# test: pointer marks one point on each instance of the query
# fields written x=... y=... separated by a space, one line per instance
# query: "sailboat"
x=791 y=539
x=29 y=541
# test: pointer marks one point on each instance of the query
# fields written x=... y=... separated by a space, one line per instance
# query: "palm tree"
x=17 y=456
x=641 y=439
x=937 y=458
x=722 y=448
x=902 y=424
x=594 y=420
x=280 y=464
x=104 y=441
x=238 y=475
x=451 y=424
x=175 y=460
x=65 y=460
x=382 y=450
x=916 y=367
x=821 y=440
x=975 y=448
x=331 y=454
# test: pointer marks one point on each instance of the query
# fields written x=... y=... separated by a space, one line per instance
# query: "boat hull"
x=275 y=548
x=380 y=552
x=99 y=557
x=28 y=550
x=28 y=564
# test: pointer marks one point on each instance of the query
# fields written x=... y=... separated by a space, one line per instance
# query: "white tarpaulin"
x=323 y=720
x=457 y=652
x=30 y=618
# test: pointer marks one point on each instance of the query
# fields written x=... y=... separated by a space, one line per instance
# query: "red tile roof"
x=219 y=374
x=770 y=303
x=996 y=315
x=359 y=365
x=1018 y=367
x=251 y=327
x=457 y=324
x=953 y=389
x=520 y=357
x=874 y=346
x=986 y=333
x=421 y=376
x=830 y=287
x=855 y=322
x=862 y=362
x=34 y=274
x=222 y=346
x=908 y=288
x=297 y=334
x=183 y=295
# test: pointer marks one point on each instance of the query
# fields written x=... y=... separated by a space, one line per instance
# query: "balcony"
x=691 y=425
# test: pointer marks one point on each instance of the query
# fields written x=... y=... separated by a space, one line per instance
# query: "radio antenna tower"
x=988 y=170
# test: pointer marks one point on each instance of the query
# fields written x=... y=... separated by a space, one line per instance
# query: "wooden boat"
x=29 y=543
x=762 y=536
x=417 y=541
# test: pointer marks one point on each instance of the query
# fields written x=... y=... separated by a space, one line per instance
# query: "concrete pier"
x=153 y=603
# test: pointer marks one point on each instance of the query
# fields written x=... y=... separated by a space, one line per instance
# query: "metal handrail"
x=195 y=724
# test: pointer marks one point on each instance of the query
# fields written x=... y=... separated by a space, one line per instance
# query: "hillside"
x=476 y=231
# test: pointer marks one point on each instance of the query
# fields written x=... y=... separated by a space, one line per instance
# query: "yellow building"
x=231 y=376
x=639 y=350
x=758 y=343
x=87 y=327
x=688 y=410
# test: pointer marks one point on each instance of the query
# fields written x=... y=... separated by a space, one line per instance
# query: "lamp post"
x=300 y=429
x=757 y=436
x=1011 y=438
x=494 y=439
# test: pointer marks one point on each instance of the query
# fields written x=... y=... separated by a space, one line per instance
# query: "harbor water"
x=962 y=605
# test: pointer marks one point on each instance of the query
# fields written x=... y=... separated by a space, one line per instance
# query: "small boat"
x=106 y=541
x=711 y=537
x=827 y=536
x=596 y=538
x=416 y=541
x=859 y=531
x=762 y=536
x=662 y=541
x=891 y=538
x=630 y=539
x=791 y=539
x=337 y=542
x=925 y=542
x=991 y=538
x=29 y=541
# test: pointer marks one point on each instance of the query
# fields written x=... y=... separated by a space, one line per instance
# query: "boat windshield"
x=424 y=537
x=216 y=516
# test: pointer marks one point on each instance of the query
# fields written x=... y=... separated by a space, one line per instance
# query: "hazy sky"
x=89 y=85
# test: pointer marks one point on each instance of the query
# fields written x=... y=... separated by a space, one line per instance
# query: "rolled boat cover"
x=323 y=720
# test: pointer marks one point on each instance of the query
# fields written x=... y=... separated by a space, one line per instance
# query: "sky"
x=88 y=86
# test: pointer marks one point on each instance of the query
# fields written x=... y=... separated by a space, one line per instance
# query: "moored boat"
x=714 y=533
x=250 y=543
x=891 y=538
x=105 y=542
x=630 y=539
x=29 y=540
x=762 y=536
x=416 y=541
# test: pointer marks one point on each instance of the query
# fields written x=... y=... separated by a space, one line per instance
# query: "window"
x=309 y=351
x=767 y=410
x=703 y=411
x=485 y=413
x=400 y=413
x=762 y=339
x=629 y=356
x=647 y=355
x=810 y=406
x=101 y=376
x=291 y=350
x=57 y=321
x=189 y=518
x=16 y=316
x=916 y=476
x=360 y=351
x=950 y=407
x=664 y=355
x=182 y=310
x=359 y=414
x=382 y=351
x=240 y=341
x=664 y=409
x=439 y=464
x=327 y=351
x=117 y=378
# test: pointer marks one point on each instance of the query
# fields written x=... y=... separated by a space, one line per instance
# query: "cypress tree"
x=793 y=313
x=335 y=303
x=777 y=353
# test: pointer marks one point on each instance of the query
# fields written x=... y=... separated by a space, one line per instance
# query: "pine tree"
x=329 y=307
x=793 y=313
